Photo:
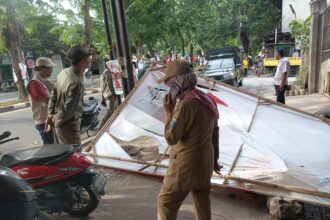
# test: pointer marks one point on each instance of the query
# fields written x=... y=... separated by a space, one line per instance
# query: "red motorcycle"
x=61 y=177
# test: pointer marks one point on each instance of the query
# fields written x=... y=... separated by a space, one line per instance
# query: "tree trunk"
x=139 y=47
x=88 y=23
x=191 y=53
x=182 y=41
x=245 y=41
x=305 y=62
x=13 y=45
x=151 y=50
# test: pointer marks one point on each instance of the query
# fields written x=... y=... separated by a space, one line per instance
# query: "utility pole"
x=109 y=38
x=107 y=30
x=127 y=49
x=123 y=50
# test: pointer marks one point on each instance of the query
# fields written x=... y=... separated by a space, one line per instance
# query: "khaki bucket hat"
x=44 y=61
x=177 y=67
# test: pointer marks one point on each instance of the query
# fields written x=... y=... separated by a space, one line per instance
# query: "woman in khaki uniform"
x=192 y=131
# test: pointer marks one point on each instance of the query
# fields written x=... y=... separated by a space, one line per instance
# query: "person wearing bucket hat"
x=39 y=89
x=66 y=103
x=192 y=131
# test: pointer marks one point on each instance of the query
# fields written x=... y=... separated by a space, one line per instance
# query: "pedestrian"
x=258 y=66
x=24 y=72
x=109 y=98
x=66 y=104
x=39 y=89
x=192 y=140
x=281 y=76
x=246 y=65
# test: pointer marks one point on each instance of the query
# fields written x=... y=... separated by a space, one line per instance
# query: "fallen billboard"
x=265 y=147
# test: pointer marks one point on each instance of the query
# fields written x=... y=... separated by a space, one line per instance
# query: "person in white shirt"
x=281 y=76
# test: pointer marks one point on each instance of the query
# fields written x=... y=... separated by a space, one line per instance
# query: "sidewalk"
x=12 y=97
x=264 y=86
x=134 y=197
x=309 y=103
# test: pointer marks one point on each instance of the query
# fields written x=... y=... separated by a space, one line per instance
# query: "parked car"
x=225 y=69
x=223 y=64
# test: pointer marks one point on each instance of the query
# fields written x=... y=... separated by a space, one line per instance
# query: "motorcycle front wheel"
x=82 y=201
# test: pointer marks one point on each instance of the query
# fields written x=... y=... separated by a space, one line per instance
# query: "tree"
x=300 y=30
x=26 y=25
x=85 y=9
x=39 y=35
x=11 y=35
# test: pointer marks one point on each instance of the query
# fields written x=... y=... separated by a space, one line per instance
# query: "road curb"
x=28 y=104
x=92 y=91
x=15 y=107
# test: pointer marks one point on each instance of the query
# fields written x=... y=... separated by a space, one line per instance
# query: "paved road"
x=8 y=96
x=21 y=125
x=262 y=86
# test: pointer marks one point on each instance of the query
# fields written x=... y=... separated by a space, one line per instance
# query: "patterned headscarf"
x=185 y=88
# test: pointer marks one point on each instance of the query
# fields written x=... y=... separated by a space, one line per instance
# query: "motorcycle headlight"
x=7 y=172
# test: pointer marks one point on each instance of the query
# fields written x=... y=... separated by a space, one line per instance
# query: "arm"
x=52 y=102
x=284 y=76
x=215 y=142
x=37 y=91
x=71 y=101
x=102 y=82
x=283 y=81
x=51 y=110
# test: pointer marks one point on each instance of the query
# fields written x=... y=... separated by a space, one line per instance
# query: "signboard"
x=113 y=66
x=260 y=140
x=30 y=63
x=115 y=69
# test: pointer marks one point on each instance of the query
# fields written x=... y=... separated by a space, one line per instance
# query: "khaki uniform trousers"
x=169 y=202
x=68 y=133
x=112 y=105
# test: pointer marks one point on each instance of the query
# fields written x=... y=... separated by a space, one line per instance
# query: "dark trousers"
x=47 y=138
x=280 y=95
x=246 y=71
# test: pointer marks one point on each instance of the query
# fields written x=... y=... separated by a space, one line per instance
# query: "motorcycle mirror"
x=5 y=134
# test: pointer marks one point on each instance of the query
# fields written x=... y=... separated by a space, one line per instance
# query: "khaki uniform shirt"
x=67 y=97
x=190 y=130
x=107 y=87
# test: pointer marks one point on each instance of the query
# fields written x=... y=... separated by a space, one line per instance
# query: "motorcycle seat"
x=90 y=106
x=42 y=155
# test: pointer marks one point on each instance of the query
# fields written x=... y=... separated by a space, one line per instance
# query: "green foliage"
x=152 y=24
x=204 y=24
x=70 y=35
x=39 y=35
x=300 y=77
x=301 y=31
x=34 y=23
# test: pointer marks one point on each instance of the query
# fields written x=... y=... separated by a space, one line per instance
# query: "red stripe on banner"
x=217 y=100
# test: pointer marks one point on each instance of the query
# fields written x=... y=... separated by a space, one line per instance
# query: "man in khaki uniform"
x=192 y=131
x=67 y=97
x=108 y=95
